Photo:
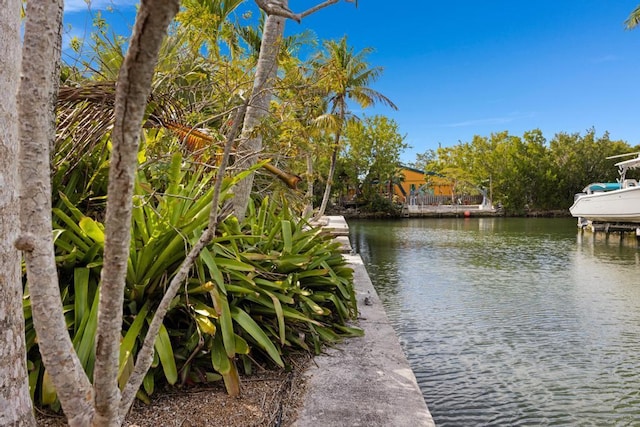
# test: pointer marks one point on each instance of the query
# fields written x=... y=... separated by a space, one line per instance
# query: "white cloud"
x=606 y=58
x=71 y=6
x=491 y=120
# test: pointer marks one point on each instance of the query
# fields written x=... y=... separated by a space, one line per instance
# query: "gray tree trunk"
x=36 y=101
x=251 y=141
x=132 y=91
x=14 y=385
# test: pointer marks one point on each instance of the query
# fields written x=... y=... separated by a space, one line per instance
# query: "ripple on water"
x=511 y=322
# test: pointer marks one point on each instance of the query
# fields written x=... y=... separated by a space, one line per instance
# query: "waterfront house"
x=415 y=182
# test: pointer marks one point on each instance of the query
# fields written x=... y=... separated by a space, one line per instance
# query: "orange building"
x=415 y=181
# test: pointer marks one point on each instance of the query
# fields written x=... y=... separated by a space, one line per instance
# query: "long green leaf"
x=279 y=315
x=133 y=333
x=286 y=236
x=85 y=336
x=288 y=312
x=77 y=235
x=81 y=294
x=233 y=264
x=219 y=358
x=214 y=271
x=251 y=327
x=93 y=229
x=165 y=353
x=77 y=214
x=226 y=324
x=139 y=223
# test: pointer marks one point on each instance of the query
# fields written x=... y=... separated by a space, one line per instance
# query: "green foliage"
x=633 y=20
x=261 y=289
x=377 y=203
x=529 y=173
x=370 y=159
x=345 y=76
x=206 y=24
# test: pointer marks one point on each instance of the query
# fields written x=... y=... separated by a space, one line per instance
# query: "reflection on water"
x=511 y=321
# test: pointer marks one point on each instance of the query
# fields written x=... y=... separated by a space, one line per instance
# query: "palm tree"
x=208 y=25
x=634 y=19
x=345 y=76
x=300 y=102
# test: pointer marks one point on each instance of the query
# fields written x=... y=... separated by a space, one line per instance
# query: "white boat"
x=610 y=201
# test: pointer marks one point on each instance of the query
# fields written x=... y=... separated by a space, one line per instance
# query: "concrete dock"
x=364 y=381
x=448 y=211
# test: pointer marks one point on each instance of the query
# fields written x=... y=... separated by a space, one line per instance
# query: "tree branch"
x=274 y=7
x=317 y=8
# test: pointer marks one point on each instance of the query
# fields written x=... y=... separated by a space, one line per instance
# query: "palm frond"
x=85 y=116
x=633 y=20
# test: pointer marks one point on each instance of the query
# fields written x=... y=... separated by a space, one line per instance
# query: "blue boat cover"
x=604 y=186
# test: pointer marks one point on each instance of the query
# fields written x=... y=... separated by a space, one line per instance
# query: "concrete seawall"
x=364 y=381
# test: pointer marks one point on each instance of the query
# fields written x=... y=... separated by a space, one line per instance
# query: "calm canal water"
x=511 y=321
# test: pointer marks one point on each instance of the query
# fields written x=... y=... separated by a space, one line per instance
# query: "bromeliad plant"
x=276 y=284
x=261 y=289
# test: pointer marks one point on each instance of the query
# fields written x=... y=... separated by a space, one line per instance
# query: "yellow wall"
x=411 y=177
x=439 y=186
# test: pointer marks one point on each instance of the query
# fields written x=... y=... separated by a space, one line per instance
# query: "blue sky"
x=460 y=68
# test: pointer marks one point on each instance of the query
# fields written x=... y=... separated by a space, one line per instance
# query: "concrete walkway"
x=364 y=381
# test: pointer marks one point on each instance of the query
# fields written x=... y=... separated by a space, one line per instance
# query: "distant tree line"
x=529 y=173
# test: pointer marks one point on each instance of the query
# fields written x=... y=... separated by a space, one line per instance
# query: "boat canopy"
x=629 y=164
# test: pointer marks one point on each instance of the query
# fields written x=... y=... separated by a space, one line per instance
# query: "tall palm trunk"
x=14 y=392
x=251 y=141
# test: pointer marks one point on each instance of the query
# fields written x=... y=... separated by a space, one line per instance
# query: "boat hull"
x=611 y=206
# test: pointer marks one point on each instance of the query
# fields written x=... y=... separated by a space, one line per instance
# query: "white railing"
x=428 y=199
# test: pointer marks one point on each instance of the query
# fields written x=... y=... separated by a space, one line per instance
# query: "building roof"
x=431 y=173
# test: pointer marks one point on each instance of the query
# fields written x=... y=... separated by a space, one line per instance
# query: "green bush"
x=380 y=203
x=264 y=287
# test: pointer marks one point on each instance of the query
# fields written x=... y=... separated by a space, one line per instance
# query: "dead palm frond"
x=85 y=116
x=86 y=113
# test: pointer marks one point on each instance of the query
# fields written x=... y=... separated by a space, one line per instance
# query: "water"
x=511 y=321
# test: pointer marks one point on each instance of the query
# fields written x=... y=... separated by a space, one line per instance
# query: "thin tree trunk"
x=308 y=208
x=132 y=91
x=36 y=101
x=14 y=384
x=332 y=168
x=250 y=140
x=327 y=188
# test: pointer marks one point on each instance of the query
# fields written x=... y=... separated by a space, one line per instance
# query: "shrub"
x=262 y=288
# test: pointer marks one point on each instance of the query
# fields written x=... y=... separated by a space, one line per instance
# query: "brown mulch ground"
x=268 y=398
